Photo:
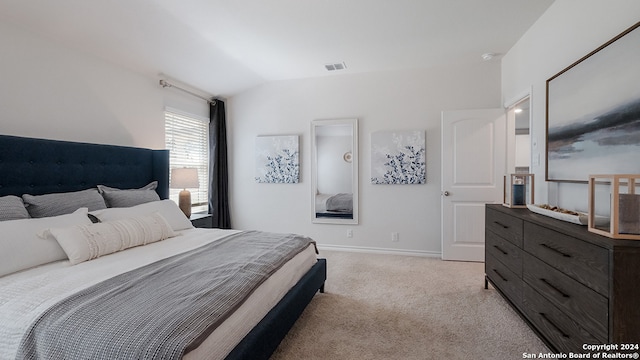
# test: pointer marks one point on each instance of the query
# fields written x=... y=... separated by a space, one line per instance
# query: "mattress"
x=30 y=292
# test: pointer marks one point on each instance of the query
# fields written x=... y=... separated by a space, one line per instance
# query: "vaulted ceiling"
x=225 y=47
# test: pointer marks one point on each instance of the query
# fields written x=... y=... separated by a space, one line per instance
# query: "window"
x=187 y=139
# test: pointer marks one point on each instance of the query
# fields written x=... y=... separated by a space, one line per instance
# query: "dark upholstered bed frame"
x=38 y=166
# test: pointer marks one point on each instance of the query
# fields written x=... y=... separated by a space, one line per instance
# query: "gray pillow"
x=129 y=197
x=12 y=208
x=63 y=203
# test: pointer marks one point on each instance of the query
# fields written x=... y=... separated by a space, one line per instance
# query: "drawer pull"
x=544 y=316
x=555 y=250
x=550 y=285
x=501 y=224
x=500 y=249
x=498 y=273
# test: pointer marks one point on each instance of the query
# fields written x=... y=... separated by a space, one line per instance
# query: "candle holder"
x=621 y=201
x=518 y=190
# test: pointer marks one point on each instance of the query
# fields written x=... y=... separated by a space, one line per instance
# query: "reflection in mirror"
x=518 y=139
x=334 y=171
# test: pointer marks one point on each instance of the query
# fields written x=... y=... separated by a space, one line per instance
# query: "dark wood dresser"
x=571 y=286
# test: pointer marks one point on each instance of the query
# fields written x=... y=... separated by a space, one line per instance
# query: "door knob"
x=446 y=193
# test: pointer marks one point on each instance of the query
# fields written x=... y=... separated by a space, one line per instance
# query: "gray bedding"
x=342 y=202
x=164 y=309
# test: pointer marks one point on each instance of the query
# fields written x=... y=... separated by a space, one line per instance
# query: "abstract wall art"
x=277 y=160
x=593 y=113
x=398 y=157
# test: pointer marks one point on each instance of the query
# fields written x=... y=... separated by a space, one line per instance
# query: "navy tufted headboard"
x=38 y=166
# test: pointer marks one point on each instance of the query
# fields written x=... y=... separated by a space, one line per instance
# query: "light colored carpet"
x=401 y=307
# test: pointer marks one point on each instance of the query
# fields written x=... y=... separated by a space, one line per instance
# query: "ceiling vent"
x=336 y=66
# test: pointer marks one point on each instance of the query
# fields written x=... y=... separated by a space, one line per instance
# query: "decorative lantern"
x=621 y=202
x=518 y=190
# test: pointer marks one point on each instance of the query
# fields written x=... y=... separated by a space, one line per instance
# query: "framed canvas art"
x=593 y=113
x=398 y=157
x=277 y=159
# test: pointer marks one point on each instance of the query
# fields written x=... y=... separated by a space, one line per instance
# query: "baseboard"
x=386 y=251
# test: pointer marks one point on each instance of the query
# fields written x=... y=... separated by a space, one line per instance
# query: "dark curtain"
x=218 y=168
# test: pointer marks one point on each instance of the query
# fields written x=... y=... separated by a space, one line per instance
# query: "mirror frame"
x=354 y=170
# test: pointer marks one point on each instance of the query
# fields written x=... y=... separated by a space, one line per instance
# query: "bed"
x=338 y=206
x=42 y=167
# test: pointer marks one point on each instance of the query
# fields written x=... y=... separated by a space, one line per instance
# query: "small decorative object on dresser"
x=518 y=190
x=571 y=286
x=202 y=220
x=619 y=197
x=559 y=213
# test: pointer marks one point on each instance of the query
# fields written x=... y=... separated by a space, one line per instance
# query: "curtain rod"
x=165 y=84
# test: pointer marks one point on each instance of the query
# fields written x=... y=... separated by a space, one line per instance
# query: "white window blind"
x=187 y=139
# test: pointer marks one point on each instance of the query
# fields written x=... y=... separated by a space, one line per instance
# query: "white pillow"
x=87 y=242
x=23 y=248
x=167 y=208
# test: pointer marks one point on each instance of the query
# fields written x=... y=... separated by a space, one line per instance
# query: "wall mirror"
x=334 y=171
x=518 y=137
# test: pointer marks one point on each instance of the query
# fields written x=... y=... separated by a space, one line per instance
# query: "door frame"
x=508 y=105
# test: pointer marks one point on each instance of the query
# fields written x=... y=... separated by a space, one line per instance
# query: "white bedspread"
x=24 y=295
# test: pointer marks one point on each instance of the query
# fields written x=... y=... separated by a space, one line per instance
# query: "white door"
x=473 y=165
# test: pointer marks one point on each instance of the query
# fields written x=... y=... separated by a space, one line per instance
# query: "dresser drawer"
x=504 y=279
x=564 y=333
x=506 y=226
x=504 y=251
x=587 y=263
x=580 y=303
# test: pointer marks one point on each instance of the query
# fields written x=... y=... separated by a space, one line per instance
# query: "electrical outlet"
x=349 y=233
x=395 y=237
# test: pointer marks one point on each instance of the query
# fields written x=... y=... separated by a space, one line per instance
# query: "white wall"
x=334 y=174
x=50 y=91
x=567 y=31
x=403 y=100
x=522 y=150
